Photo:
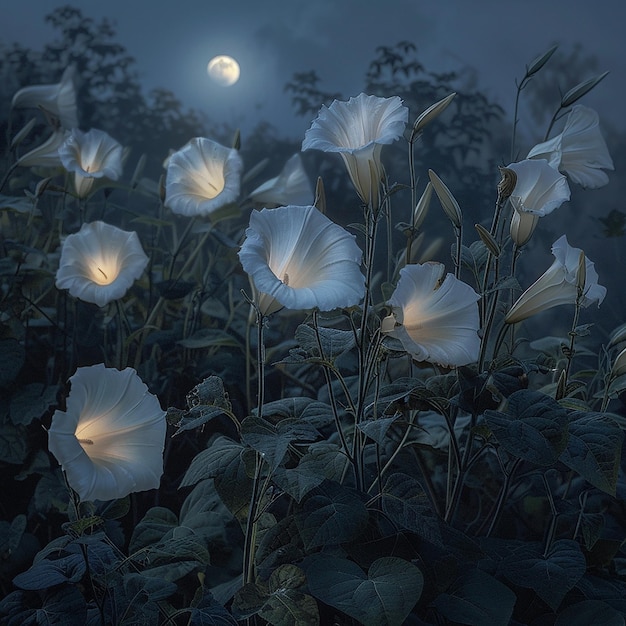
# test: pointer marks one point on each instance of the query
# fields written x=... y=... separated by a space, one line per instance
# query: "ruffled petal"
x=300 y=258
x=438 y=317
x=110 y=439
x=202 y=177
x=100 y=263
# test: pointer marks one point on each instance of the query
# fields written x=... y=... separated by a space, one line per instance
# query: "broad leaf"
x=408 y=506
x=382 y=597
x=31 y=401
x=47 y=573
x=551 y=575
x=213 y=461
x=476 y=599
x=209 y=612
x=333 y=340
x=13 y=443
x=306 y=409
x=331 y=514
x=290 y=607
x=590 y=612
x=13 y=357
x=272 y=441
x=594 y=449
x=534 y=428
x=376 y=429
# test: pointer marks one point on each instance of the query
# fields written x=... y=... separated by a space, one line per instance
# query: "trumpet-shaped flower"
x=539 y=188
x=109 y=440
x=580 y=150
x=357 y=130
x=47 y=154
x=100 y=262
x=434 y=317
x=299 y=259
x=90 y=156
x=202 y=177
x=558 y=284
x=58 y=99
x=291 y=186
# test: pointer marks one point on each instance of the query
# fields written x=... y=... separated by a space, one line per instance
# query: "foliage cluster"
x=314 y=472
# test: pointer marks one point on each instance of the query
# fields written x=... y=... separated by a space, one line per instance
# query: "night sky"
x=489 y=41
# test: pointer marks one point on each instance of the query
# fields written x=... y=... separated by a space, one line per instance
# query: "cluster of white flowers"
x=109 y=441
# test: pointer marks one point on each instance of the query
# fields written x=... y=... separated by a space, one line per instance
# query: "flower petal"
x=109 y=440
x=202 y=177
x=100 y=263
x=438 y=321
x=300 y=258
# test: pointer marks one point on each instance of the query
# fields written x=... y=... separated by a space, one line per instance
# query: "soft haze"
x=172 y=43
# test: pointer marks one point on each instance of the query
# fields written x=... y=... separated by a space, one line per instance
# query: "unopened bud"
x=581 y=274
x=448 y=201
x=320 y=196
x=507 y=183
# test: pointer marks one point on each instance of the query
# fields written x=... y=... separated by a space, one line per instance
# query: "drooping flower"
x=202 y=177
x=558 y=284
x=58 y=100
x=434 y=317
x=291 y=186
x=580 y=150
x=90 y=156
x=47 y=154
x=538 y=190
x=110 y=438
x=299 y=259
x=357 y=130
x=100 y=262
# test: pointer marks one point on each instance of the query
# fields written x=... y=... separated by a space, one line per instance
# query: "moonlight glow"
x=224 y=70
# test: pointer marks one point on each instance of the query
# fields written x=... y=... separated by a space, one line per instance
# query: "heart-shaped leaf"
x=382 y=597
x=594 y=449
x=331 y=514
x=476 y=598
x=551 y=575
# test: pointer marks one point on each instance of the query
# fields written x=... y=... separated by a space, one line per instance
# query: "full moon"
x=224 y=70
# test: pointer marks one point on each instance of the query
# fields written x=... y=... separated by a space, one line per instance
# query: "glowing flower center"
x=103 y=272
x=209 y=184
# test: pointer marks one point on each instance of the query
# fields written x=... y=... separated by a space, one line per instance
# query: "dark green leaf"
x=290 y=607
x=588 y=612
x=477 y=599
x=408 y=506
x=47 y=573
x=551 y=575
x=209 y=612
x=382 y=597
x=248 y=601
x=31 y=401
x=533 y=428
x=154 y=526
x=315 y=413
x=272 y=441
x=13 y=443
x=594 y=449
x=51 y=610
x=333 y=340
x=377 y=429
x=196 y=417
x=13 y=356
x=213 y=461
x=152 y=589
x=331 y=514
x=209 y=337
